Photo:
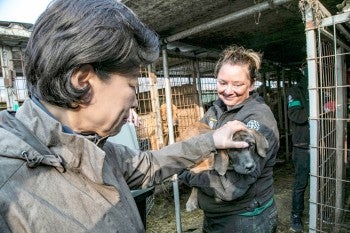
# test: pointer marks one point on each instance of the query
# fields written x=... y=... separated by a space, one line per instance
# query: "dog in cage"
x=148 y=129
x=242 y=161
x=175 y=122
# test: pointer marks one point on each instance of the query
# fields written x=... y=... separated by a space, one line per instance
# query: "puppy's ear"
x=221 y=162
x=261 y=143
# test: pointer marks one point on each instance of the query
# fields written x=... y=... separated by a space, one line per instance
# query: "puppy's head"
x=244 y=160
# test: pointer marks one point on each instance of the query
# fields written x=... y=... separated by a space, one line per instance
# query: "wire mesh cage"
x=328 y=62
x=188 y=95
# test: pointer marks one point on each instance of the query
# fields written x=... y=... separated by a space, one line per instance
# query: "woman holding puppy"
x=239 y=202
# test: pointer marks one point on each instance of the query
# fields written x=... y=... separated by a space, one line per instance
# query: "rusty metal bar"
x=226 y=19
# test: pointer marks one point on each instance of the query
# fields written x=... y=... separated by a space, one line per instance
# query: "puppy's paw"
x=191 y=205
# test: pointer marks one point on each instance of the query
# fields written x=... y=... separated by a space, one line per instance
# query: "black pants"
x=301 y=160
x=266 y=222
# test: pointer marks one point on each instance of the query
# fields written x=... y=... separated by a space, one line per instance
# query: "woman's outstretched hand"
x=223 y=136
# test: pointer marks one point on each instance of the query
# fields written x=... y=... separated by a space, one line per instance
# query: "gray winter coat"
x=73 y=184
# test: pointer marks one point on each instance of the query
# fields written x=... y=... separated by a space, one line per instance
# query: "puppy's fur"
x=240 y=160
x=148 y=127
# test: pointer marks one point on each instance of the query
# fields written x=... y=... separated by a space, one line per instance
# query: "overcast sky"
x=23 y=11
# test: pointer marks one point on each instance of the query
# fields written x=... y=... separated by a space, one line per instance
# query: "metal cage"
x=328 y=62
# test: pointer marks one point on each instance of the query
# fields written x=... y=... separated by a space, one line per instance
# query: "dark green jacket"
x=298 y=114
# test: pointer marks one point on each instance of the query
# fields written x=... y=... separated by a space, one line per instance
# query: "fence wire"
x=329 y=69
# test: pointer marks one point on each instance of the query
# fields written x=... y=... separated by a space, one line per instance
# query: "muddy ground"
x=161 y=218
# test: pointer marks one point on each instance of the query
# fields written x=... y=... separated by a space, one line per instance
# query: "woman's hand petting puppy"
x=223 y=136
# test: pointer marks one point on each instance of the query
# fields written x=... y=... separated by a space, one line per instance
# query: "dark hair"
x=70 y=33
x=238 y=55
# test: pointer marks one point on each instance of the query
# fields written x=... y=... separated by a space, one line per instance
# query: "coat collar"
x=80 y=154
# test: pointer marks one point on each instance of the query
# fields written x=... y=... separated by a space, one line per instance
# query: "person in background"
x=58 y=172
x=246 y=202
x=298 y=115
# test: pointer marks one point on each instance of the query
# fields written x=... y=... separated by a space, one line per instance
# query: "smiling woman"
x=226 y=207
x=234 y=84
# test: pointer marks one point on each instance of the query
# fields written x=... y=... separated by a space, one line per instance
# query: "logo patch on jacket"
x=292 y=102
x=212 y=122
x=253 y=124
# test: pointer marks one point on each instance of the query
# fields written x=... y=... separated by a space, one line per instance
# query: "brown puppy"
x=240 y=160
x=163 y=113
x=147 y=129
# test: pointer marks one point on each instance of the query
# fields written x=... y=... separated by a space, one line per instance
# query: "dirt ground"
x=161 y=218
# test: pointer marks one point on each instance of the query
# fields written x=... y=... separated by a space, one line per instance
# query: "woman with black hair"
x=58 y=173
